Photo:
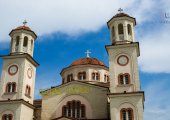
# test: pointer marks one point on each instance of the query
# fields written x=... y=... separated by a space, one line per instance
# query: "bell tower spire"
x=22 y=40
x=126 y=97
x=121 y=28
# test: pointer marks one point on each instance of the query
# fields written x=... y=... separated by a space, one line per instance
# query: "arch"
x=126 y=114
x=95 y=76
x=7 y=115
x=120 y=29
x=81 y=75
x=124 y=79
x=17 y=40
x=74 y=109
x=79 y=98
x=10 y=87
x=113 y=33
x=106 y=77
x=120 y=79
x=69 y=77
x=25 y=43
x=127 y=104
x=28 y=90
x=129 y=29
x=13 y=87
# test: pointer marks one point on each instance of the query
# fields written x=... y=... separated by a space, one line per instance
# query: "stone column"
x=125 y=31
x=20 y=49
x=116 y=32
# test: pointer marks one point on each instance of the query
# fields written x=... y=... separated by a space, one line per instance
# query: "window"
x=7 y=117
x=113 y=32
x=95 y=76
x=129 y=30
x=25 y=41
x=74 y=109
x=82 y=75
x=106 y=78
x=126 y=114
x=120 y=29
x=11 y=87
x=124 y=79
x=63 y=80
x=17 y=41
x=31 y=45
x=69 y=77
x=28 y=91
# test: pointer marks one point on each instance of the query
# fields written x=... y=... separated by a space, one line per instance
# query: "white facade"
x=89 y=89
x=18 y=77
x=126 y=97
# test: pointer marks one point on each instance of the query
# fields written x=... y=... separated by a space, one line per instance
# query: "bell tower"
x=126 y=97
x=22 y=40
x=18 y=76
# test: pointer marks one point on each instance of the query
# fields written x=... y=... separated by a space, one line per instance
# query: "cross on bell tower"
x=120 y=10
x=25 y=22
x=88 y=53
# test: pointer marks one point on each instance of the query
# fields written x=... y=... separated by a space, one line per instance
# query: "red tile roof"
x=86 y=61
x=23 y=28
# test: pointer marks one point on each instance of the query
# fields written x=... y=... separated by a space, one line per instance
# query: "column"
x=116 y=32
x=20 y=49
x=125 y=31
x=133 y=34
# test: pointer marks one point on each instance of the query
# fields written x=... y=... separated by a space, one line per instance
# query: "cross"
x=88 y=53
x=120 y=10
x=25 y=22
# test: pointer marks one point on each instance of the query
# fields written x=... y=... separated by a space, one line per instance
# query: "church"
x=90 y=90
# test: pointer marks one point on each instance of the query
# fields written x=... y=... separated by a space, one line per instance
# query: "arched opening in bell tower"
x=113 y=34
x=129 y=32
x=120 y=31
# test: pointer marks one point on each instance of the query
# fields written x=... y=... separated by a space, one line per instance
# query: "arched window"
x=7 y=117
x=95 y=76
x=124 y=79
x=82 y=75
x=113 y=33
x=120 y=29
x=106 y=78
x=28 y=90
x=17 y=41
x=69 y=77
x=126 y=114
x=25 y=41
x=129 y=29
x=74 y=109
x=11 y=87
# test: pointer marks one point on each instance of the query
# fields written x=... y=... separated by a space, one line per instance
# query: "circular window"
x=13 y=69
x=122 y=60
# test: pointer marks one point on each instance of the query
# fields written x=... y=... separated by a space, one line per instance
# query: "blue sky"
x=66 y=29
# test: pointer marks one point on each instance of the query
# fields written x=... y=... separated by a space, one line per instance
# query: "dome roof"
x=121 y=14
x=87 y=61
x=23 y=28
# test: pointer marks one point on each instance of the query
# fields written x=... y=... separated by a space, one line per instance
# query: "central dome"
x=87 y=61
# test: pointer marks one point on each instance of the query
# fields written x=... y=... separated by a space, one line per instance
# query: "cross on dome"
x=25 y=22
x=120 y=10
x=88 y=53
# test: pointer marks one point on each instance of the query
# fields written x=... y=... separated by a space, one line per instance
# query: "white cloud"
x=68 y=16
x=74 y=17
x=155 y=50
